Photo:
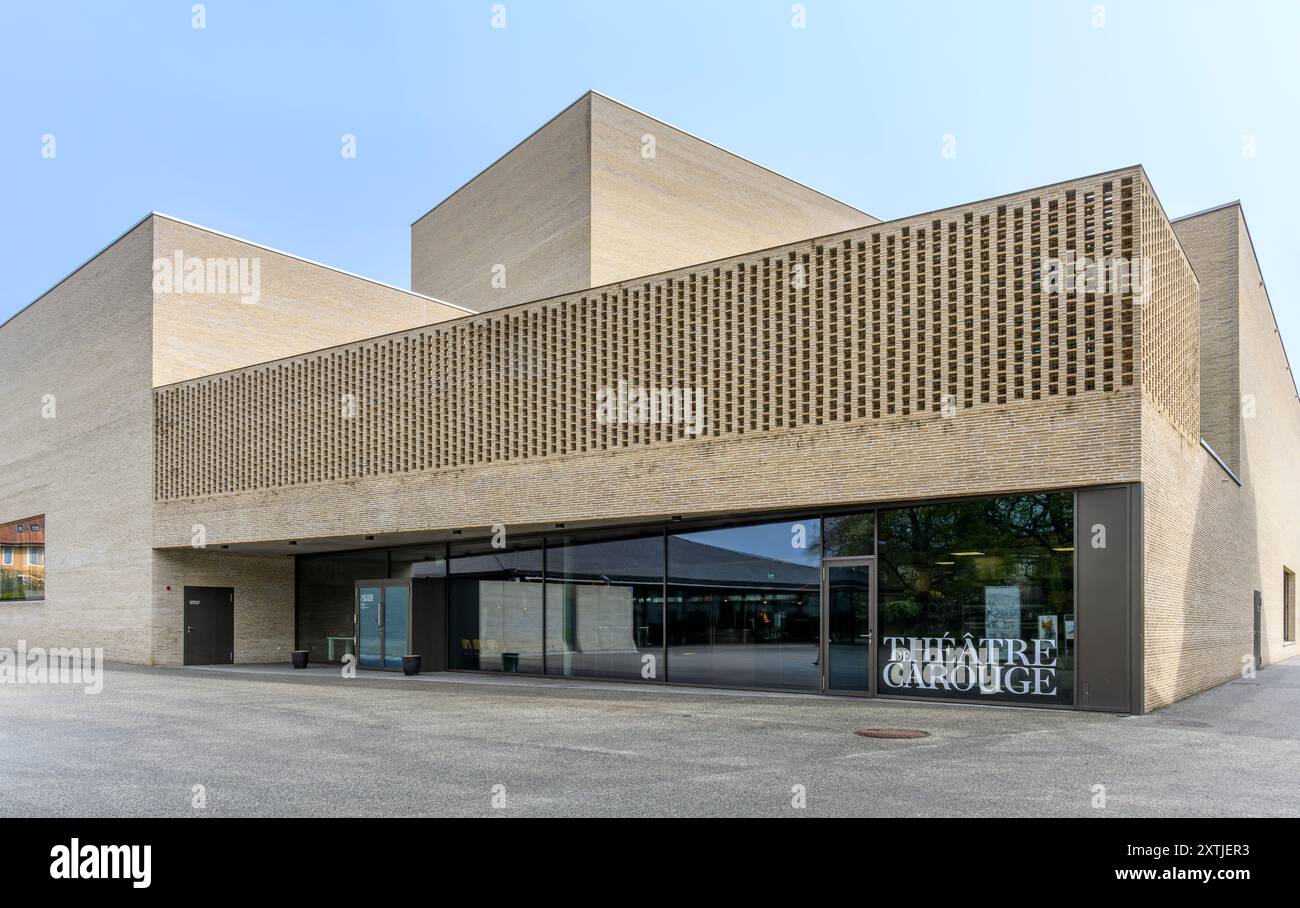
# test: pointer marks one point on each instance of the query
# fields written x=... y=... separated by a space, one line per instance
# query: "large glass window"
x=849 y=535
x=410 y=563
x=495 y=608
x=22 y=560
x=604 y=607
x=327 y=599
x=743 y=606
x=976 y=600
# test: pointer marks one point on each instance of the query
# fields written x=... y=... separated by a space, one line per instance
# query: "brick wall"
x=84 y=349
x=936 y=314
x=1209 y=542
x=263 y=587
x=1026 y=446
x=1212 y=243
x=298 y=306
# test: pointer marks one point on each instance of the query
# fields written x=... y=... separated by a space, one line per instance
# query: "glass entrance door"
x=383 y=623
x=849 y=594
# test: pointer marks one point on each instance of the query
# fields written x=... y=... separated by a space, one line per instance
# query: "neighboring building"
x=712 y=427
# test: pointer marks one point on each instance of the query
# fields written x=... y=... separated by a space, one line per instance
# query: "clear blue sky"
x=237 y=126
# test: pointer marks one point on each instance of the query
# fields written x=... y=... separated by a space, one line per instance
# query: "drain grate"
x=896 y=733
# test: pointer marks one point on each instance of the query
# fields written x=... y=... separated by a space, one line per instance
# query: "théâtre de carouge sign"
x=999 y=665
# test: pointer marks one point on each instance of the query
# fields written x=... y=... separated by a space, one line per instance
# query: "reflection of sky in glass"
x=768 y=540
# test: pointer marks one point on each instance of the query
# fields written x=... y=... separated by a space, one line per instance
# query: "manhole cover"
x=892 y=733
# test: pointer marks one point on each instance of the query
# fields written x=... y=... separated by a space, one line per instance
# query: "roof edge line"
x=600 y=94
x=299 y=258
x=55 y=286
x=586 y=94
x=1210 y=210
x=1277 y=328
x=734 y=154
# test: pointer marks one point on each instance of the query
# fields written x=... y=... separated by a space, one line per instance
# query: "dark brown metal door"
x=209 y=632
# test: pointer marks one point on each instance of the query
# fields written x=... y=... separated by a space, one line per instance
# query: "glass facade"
x=966 y=600
x=604 y=607
x=976 y=600
x=849 y=535
x=744 y=605
x=848 y=623
x=495 y=613
x=326 y=604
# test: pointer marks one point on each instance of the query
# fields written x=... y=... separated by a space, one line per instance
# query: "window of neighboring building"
x=22 y=560
x=1288 y=605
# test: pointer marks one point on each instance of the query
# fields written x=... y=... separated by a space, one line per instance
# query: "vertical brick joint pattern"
x=942 y=310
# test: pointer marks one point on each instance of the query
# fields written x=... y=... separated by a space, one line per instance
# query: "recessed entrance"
x=209 y=625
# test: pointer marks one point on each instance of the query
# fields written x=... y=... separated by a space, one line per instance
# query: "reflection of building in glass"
x=22 y=559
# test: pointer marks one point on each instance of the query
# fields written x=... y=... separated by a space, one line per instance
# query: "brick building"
x=679 y=420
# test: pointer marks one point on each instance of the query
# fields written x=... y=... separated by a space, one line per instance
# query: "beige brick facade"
x=1212 y=241
x=297 y=306
x=916 y=359
x=263 y=587
x=76 y=437
x=75 y=446
x=1209 y=540
x=604 y=193
x=928 y=315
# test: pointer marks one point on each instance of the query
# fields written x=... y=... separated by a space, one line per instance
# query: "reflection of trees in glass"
x=928 y=590
x=851 y=534
x=937 y=564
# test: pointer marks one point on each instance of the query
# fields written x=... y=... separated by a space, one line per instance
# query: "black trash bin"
x=410 y=665
x=510 y=662
x=300 y=658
